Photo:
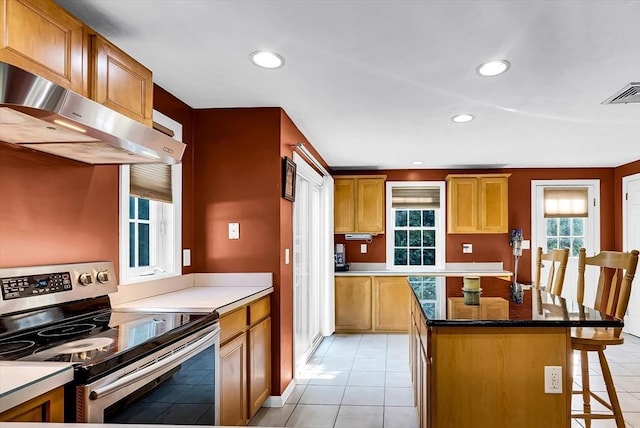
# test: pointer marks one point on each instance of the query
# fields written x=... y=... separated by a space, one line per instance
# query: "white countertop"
x=486 y=269
x=198 y=299
x=21 y=381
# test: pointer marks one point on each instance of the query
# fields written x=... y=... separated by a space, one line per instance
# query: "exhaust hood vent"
x=629 y=94
x=41 y=115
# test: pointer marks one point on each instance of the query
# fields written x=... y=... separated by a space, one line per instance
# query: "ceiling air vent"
x=629 y=94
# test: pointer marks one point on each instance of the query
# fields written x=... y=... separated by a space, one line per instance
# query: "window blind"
x=152 y=181
x=566 y=202
x=415 y=197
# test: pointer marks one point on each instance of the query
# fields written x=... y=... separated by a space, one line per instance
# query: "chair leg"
x=611 y=390
x=586 y=391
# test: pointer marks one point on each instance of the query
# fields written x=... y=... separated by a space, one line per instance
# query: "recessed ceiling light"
x=493 y=68
x=462 y=118
x=266 y=59
x=417 y=163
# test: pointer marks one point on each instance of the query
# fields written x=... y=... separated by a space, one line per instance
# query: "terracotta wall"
x=171 y=106
x=237 y=178
x=54 y=210
x=495 y=247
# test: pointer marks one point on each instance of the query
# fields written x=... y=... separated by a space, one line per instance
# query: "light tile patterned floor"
x=363 y=381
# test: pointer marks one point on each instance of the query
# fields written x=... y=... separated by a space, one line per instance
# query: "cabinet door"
x=121 y=83
x=259 y=365
x=48 y=407
x=493 y=204
x=353 y=303
x=233 y=381
x=392 y=297
x=494 y=308
x=42 y=38
x=370 y=205
x=344 y=210
x=462 y=205
x=459 y=311
x=425 y=386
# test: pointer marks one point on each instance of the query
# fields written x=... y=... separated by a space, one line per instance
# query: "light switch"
x=286 y=256
x=467 y=248
x=234 y=230
x=363 y=248
x=186 y=257
x=526 y=244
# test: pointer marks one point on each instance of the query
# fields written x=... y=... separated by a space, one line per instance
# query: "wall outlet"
x=234 y=230
x=552 y=379
x=467 y=248
x=363 y=248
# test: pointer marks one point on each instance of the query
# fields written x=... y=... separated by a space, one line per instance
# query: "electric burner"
x=9 y=348
x=67 y=330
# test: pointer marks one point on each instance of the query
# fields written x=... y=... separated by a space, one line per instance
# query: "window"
x=150 y=220
x=565 y=212
x=415 y=225
x=565 y=232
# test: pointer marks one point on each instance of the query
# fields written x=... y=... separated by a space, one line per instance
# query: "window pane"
x=132 y=245
x=578 y=226
x=565 y=242
x=429 y=255
x=143 y=244
x=552 y=244
x=577 y=244
x=429 y=310
x=401 y=218
x=565 y=227
x=428 y=238
x=415 y=218
x=415 y=257
x=400 y=239
x=132 y=207
x=429 y=218
x=552 y=227
x=415 y=238
x=400 y=257
x=143 y=209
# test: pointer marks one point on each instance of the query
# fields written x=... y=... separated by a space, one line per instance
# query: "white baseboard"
x=280 y=400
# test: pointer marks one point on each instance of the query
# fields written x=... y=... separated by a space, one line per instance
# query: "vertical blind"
x=153 y=180
x=566 y=202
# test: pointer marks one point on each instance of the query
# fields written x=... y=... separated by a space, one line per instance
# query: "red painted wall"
x=495 y=247
x=54 y=210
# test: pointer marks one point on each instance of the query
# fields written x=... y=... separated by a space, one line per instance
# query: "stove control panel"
x=34 y=285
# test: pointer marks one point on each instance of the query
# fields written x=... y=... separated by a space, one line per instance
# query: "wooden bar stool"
x=617 y=270
x=558 y=259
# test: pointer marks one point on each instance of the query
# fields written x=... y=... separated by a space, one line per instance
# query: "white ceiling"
x=374 y=84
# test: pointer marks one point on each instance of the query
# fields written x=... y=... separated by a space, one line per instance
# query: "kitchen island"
x=489 y=371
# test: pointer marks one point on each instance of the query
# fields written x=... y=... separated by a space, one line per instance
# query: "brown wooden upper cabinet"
x=359 y=204
x=477 y=203
x=44 y=39
x=119 y=81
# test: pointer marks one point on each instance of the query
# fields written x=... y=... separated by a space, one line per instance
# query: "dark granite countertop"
x=540 y=309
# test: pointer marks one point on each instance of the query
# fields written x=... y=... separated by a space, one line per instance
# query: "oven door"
x=177 y=384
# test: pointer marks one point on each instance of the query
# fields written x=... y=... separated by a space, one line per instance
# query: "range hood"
x=41 y=115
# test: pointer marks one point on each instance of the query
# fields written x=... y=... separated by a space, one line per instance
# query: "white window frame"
x=166 y=240
x=441 y=232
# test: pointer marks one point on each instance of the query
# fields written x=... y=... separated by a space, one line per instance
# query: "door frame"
x=625 y=226
x=594 y=212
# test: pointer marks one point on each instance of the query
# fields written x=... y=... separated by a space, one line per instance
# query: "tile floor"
x=364 y=381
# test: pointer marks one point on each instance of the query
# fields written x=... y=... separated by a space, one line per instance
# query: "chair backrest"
x=558 y=265
x=617 y=270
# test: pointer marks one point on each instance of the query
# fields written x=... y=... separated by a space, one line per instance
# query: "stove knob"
x=103 y=277
x=85 y=279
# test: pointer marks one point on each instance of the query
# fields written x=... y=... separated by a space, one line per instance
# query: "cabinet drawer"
x=232 y=324
x=259 y=310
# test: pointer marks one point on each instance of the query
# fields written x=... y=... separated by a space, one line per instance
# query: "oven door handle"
x=149 y=371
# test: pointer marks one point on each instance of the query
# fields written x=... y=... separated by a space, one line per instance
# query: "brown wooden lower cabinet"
x=372 y=304
x=487 y=376
x=490 y=308
x=48 y=407
x=245 y=361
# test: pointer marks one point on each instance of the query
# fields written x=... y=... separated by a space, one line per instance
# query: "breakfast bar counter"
x=481 y=368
